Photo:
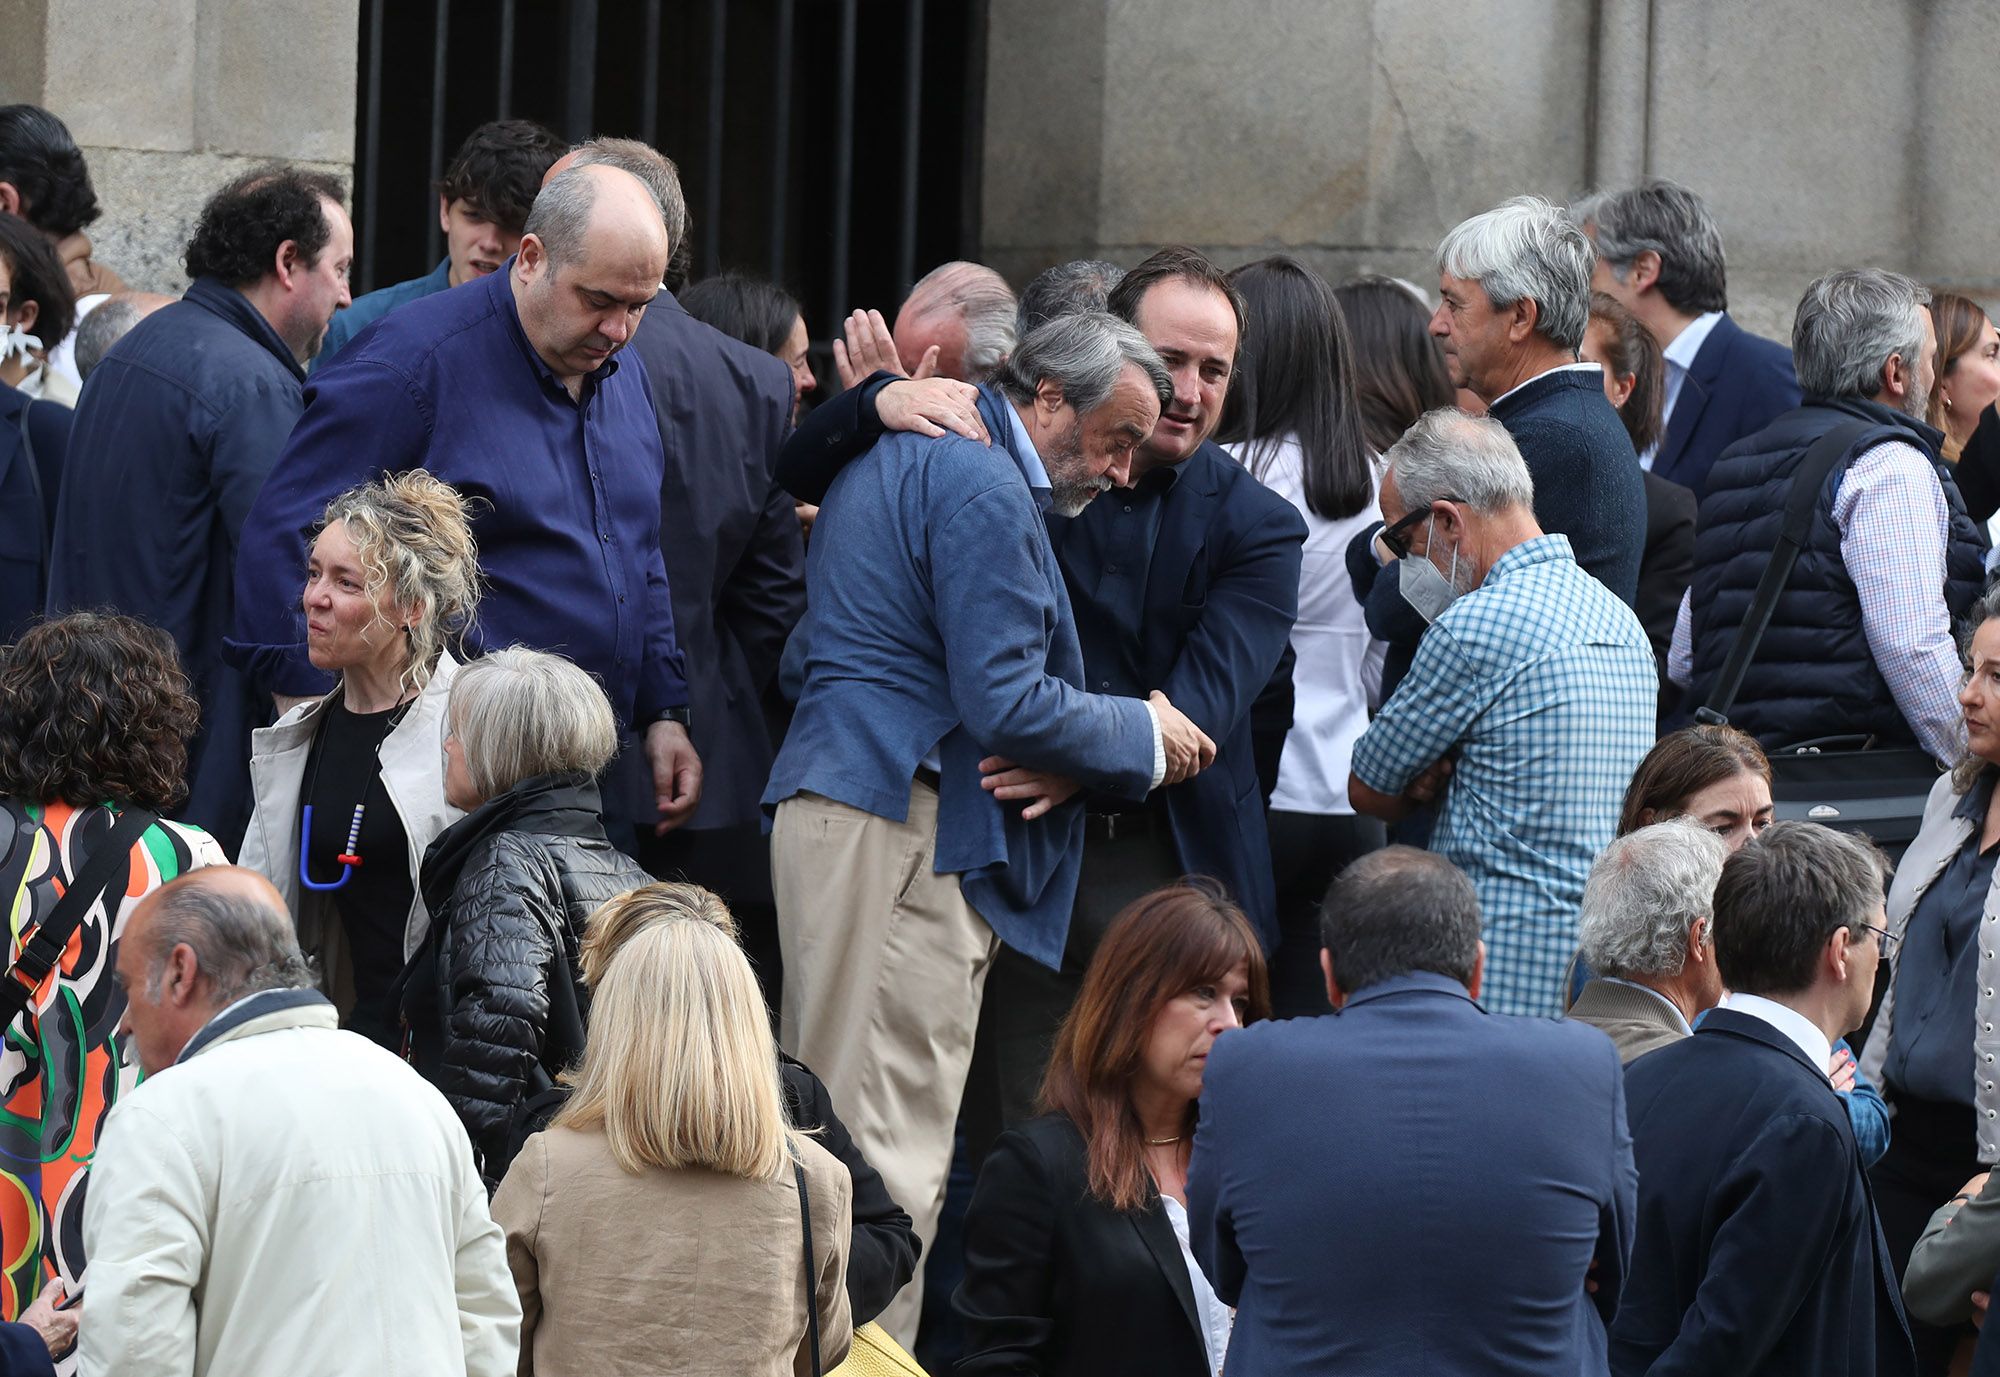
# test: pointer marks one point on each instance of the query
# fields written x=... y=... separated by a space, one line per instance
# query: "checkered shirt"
x=1542 y=686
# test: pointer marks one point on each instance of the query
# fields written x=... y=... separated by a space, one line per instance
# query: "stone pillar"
x=169 y=99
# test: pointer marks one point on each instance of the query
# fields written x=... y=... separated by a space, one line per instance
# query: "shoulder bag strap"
x=1811 y=474
x=812 y=1273
x=41 y=501
x=109 y=862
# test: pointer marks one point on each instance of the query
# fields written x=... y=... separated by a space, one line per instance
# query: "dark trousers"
x=1307 y=851
x=734 y=862
x=1932 y=1154
x=1026 y=1002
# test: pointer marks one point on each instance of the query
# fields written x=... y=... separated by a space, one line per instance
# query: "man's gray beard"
x=1070 y=485
x=1916 y=404
x=1069 y=499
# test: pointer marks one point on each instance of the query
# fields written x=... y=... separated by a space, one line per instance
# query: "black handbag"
x=1848 y=783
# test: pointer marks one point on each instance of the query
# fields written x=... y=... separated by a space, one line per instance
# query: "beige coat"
x=688 y=1272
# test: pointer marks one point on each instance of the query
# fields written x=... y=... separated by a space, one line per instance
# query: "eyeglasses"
x=1396 y=536
x=1888 y=940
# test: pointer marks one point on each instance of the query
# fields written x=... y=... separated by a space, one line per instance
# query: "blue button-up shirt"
x=568 y=490
x=370 y=307
x=1542 y=685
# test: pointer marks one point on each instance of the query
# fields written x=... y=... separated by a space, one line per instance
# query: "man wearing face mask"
x=1527 y=708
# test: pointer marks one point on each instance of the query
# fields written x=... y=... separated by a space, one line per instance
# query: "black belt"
x=929 y=778
x=1145 y=822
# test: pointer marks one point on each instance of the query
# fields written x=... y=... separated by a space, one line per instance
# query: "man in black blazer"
x=1758 y=1249
x=1659 y=252
x=1412 y=1185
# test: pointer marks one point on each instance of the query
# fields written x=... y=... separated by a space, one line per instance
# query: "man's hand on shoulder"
x=931 y=406
x=1189 y=751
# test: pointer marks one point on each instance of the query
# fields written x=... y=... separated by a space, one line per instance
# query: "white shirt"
x=1339 y=671
x=1680 y=1018
x=1216 y=1318
x=1680 y=358
x=1803 y=1032
x=1559 y=368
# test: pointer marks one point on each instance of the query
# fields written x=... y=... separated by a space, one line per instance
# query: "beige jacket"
x=1636 y=1021
x=689 y=1272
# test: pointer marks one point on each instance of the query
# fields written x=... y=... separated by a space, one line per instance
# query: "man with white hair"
x=1532 y=694
x=1648 y=932
x=1860 y=639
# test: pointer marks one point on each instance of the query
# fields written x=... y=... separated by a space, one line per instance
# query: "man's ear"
x=1333 y=994
x=1478 y=970
x=1522 y=317
x=444 y=212
x=10 y=198
x=288 y=263
x=1645 y=270
x=182 y=974
x=1049 y=396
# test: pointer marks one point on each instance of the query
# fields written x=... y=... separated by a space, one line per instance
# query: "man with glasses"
x=1758 y=1248
x=1527 y=708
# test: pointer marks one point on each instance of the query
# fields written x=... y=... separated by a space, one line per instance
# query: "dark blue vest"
x=1813 y=674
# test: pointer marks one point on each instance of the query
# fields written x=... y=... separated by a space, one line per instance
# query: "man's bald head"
x=593 y=209
x=967 y=312
x=592 y=258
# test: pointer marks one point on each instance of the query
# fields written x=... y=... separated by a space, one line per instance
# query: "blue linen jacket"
x=937 y=618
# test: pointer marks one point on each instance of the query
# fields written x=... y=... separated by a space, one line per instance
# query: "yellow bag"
x=875 y=1354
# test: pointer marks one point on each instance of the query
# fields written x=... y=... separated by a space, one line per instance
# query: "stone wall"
x=169 y=99
x=1354 y=133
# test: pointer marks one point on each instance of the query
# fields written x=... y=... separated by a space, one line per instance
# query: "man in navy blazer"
x=1659 y=252
x=1412 y=1185
x=938 y=636
x=1758 y=1249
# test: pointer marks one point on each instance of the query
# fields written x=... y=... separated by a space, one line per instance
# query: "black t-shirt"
x=374 y=904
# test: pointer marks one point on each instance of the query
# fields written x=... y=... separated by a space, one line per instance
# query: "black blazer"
x=730 y=539
x=1057 y=1282
x=1758 y=1249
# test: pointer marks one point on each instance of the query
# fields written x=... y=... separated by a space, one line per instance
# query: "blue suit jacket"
x=1739 y=384
x=1413 y=1185
x=735 y=562
x=1758 y=1247
x=23 y=1352
x=938 y=618
x=1222 y=593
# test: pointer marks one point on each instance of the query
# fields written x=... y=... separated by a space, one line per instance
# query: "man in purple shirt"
x=511 y=389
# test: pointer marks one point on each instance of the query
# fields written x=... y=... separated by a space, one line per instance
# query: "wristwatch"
x=679 y=715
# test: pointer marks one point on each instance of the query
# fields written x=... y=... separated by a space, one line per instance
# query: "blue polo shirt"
x=567 y=494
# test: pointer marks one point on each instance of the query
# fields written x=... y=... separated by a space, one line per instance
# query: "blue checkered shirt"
x=1542 y=685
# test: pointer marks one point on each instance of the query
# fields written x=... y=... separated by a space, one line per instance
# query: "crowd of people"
x=1182 y=820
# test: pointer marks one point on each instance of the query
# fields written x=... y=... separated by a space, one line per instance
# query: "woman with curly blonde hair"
x=350 y=787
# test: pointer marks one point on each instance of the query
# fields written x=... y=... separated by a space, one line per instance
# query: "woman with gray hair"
x=349 y=788
x=489 y=1002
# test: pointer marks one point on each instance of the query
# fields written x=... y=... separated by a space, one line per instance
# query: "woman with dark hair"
x=95 y=717
x=1292 y=420
x=761 y=314
x=38 y=313
x=1076 y=1243
x=1399 y=371
x=1635 y=383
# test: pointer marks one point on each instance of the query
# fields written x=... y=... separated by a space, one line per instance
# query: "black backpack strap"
x=108 y=864
x=1825 y=455
x=812 y=1273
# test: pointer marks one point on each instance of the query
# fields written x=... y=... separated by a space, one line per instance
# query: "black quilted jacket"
x=509 y=888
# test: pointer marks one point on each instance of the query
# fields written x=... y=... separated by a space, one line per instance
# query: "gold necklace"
x=1162 y=1142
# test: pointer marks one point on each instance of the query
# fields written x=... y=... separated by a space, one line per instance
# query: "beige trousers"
x=885 y=963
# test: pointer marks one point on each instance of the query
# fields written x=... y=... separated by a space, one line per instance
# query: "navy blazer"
x=1222 y=592
x=1413 y=1185
x=27 y=525
x=736 y=566
x=24 y=1353
x=1739 y=383
x=938 y=620
x=1758 y=1247
x=174 y=436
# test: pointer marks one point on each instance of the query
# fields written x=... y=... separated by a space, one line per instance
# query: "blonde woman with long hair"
x=656 y=1225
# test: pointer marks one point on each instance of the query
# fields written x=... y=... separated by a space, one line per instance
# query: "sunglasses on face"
x=1397 y=536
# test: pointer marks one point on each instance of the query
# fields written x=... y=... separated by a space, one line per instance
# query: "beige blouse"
x=690 y=1272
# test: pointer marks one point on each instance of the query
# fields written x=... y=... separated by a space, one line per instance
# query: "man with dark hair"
x=513 y=390
x=1082 y=285
x=1659 y=252
x=483 y=202
x=276 y=1189
x=1371 y=1261
x=44 y=180
x=1758 y=1247
x=182 y=423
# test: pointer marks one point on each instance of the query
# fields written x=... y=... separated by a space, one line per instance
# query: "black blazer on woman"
x=1057 y=1282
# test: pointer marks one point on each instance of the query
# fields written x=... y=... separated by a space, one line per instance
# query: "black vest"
x=1813 y=674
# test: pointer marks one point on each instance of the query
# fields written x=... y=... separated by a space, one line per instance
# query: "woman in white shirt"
x=1292 y=420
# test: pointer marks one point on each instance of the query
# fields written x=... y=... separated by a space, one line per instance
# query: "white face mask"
x=14 y=340
x=1426 y=590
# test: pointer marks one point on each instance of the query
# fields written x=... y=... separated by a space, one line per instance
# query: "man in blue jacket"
x=170 y=448
x=939 y=636
x=1413 y=1185
x=1758 y=1248
x=1659 y=252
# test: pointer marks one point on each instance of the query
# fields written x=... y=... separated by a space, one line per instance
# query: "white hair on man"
x=1450 y=456
x=1527 y=248
x=968 y=310
x=1644 y=896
